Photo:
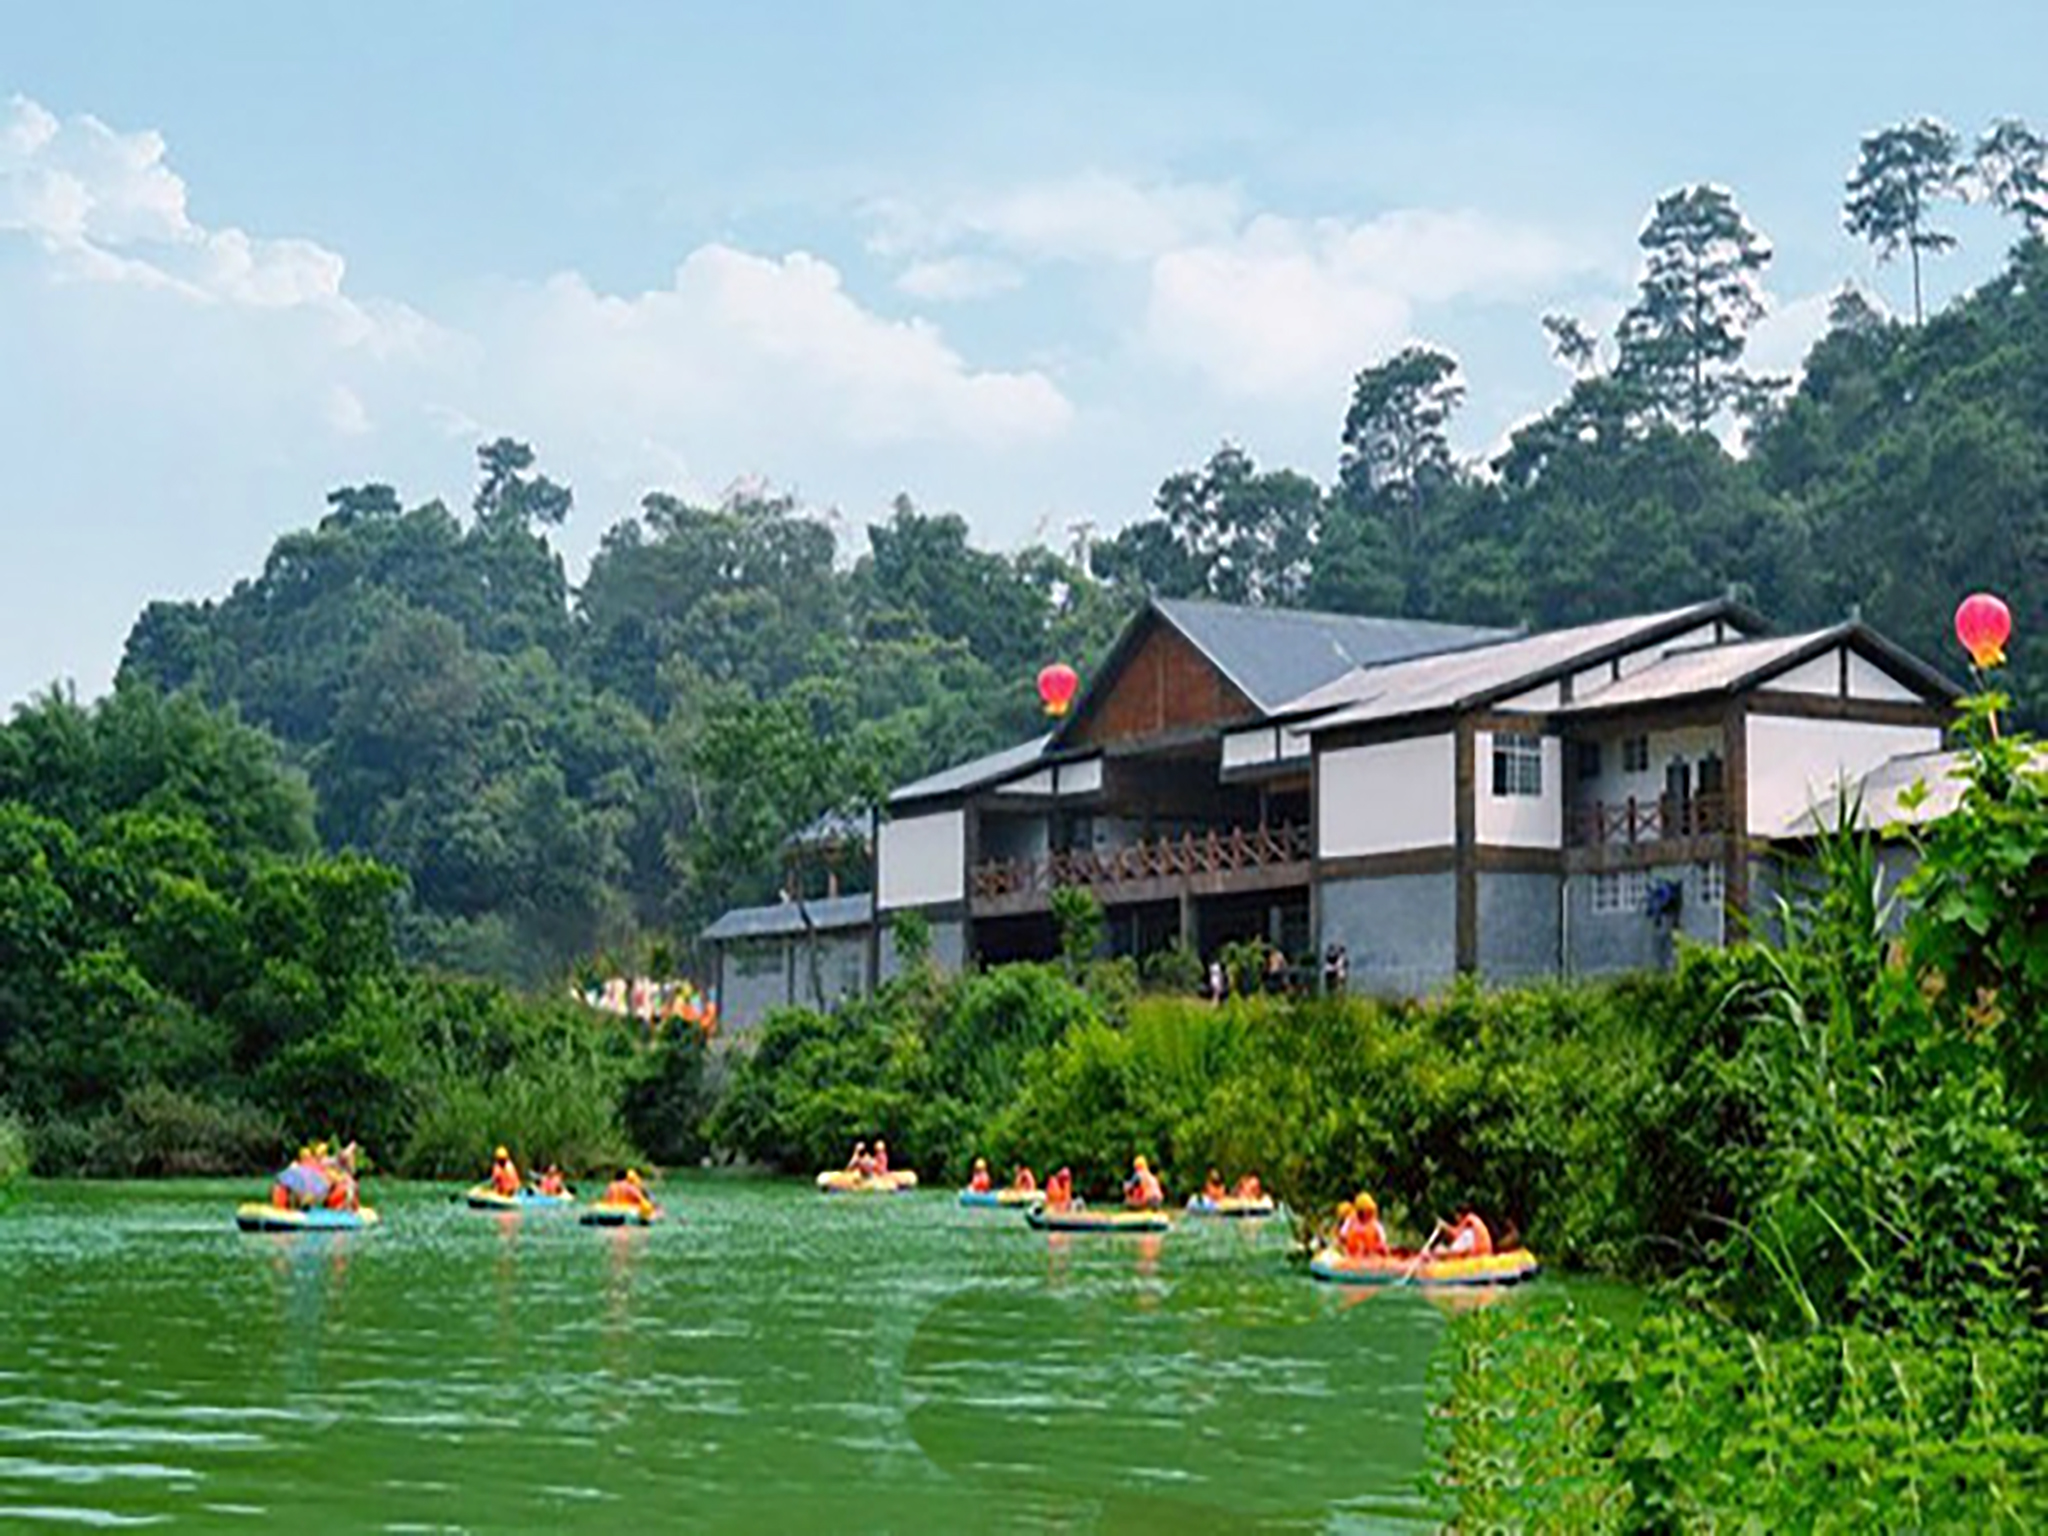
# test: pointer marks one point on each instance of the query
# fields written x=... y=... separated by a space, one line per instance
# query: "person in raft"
x=881 y=1168
x=292 y=1189
x=980 y=1183
x=1059 y=1190
x=1249 y=1188
x=1359 y=1232
x=627 y=1189
x=504 y=1173
x=552 y=1182
x=860 y=1162
x=1141 y=1189
x=340 y=1169
x=1468 y=1234
x=1213 y=1188
x=1025 y=1180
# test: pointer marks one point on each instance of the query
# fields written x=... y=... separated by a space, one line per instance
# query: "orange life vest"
x=979 y=1182
x=1363 y=1236
x=505 y=1177
x=625 y=1192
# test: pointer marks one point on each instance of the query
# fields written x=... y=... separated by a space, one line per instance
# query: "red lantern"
x=1056 y=685
x=1982 y=624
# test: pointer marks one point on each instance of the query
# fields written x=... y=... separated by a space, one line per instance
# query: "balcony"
x=1609 y=824
x=1210 y=863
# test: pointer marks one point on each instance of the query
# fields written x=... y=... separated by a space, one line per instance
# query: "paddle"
x=1410 y=1272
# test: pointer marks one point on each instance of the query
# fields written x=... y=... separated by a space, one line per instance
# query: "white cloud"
x=194 y=389
x=1293 y=307
x=949 y=279
x=1092 y=216
x=346 y=413
x=106 y=208
x=754 y=349
x=1779 y=342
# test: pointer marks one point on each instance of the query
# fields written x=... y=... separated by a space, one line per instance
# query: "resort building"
x=1430 y=800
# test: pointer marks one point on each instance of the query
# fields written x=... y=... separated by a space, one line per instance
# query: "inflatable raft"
x=1014 y=1198
x=1236 y=1206
x=260 y=1216
x=845 y=1182
x=1080 y=1219
x=1509 y=1268
x=604 y=1214
x=485 y=1198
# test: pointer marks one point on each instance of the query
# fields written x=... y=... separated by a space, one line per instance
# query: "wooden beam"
x=1735 y=846
x=1815 y=706
x=1465 y=778
x=1376 y=866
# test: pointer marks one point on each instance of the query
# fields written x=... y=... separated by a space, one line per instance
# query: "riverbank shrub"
x=14 y=1152
x=1551 y=1421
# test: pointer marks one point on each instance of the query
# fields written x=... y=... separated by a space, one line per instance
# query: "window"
x=1712 y=775
x=1635 y=754
x=1616 y=891
x=1517 y=765
x=1710 y=884
x=1586 y=760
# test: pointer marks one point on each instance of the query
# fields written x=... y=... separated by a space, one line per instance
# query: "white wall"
x=1796 y=764
x=1256 y=748
x=1868 y=681
x=922 y=860
x=1077 y=778
x=1521 y=821
x=1250 y=749
x=1386 y=798
x=1822 y=675
x=1614 y=787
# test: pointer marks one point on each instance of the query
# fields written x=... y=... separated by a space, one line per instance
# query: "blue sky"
x=1020 y=264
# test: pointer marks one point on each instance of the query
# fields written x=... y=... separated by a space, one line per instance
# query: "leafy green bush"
x=1552 y=1421
x=668 y=1098
x=14 y=1148
x=155 y=1131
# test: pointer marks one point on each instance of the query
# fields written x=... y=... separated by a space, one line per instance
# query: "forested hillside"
x=561 y=772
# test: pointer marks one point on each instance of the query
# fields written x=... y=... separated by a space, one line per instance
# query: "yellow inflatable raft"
x=1508 y=1268
x=260 y=1216
x=844 y=1181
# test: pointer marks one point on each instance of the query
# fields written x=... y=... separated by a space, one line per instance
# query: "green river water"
x=767 y=1360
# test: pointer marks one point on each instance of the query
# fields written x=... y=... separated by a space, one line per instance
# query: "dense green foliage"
x=1557 y=1423
x=560 y=779
x=184 y=978
x=13 y=1148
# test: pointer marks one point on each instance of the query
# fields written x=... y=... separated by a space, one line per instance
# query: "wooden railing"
x=1225 y=852
x=1645 y=821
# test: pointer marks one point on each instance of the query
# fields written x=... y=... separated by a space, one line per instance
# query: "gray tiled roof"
x=1697 y=670
x=784 y=919
x=970 y=775
x=1278 y=654
x=1461 y=679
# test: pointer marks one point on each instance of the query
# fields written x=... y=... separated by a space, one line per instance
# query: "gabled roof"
x=961 y=777
x=1274 y=655
x=1268 y=654
x=1485 y=674
x=1705 y=670
x=785 y=918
